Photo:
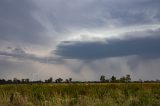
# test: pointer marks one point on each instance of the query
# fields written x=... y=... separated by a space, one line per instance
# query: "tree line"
x=124 y=79
x=113 y=79
x=27 y=80
x=103 y=79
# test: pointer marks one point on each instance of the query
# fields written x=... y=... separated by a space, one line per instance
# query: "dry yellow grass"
x=105 y=94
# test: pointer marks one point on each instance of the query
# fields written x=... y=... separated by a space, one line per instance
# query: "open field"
x=100 y=94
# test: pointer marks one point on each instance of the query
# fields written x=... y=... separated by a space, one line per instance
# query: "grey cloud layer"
x=141 y=46
x=94 y=14
x=31 y=21
x=20 y=54
x=17 y=23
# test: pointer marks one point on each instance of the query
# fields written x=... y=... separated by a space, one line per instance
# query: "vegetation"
x=106 y=92
x=113 y=79
x=84 y=94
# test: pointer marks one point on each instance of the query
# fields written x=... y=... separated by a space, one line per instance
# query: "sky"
x=81 y=39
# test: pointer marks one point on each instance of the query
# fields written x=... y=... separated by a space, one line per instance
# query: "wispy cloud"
x=19 y=53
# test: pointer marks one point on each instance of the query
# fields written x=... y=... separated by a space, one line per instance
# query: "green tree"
x=59 y=80
x=123 y=79
x=67 y=81
x=70 y=79
x=102 y=78
x=128 y=78
x=50 y=80
x=113 y=79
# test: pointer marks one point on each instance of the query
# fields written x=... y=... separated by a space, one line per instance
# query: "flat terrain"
x=98 y=94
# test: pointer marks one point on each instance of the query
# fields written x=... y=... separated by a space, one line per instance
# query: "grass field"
x=104 y=94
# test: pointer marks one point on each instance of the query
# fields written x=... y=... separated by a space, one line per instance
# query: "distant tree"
x=15 y=80
x=107 y=80
x=67 y=81
x=56 y=80
x=128 y=78
x=123 y=79
x=102 y=78
x=157 y=80
x=2 y=81
x=50 y=80
x=59 y=80
x=70 y=79
x=140 y=80
x=9 y=81
x=27 y=80
x=18 y=81
x=23 y=80
x=46 y=81
x=113 y=79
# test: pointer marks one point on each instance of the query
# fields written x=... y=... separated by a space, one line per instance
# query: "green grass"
x=111 y=94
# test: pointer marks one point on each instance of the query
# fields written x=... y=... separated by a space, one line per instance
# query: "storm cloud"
x=146 y=46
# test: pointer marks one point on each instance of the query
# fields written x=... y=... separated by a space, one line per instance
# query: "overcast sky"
x=82 y=39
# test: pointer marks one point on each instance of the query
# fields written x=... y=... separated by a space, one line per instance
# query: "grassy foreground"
x=111 y=94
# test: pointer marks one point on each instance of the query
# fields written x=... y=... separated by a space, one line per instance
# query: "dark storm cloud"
x=17 y=22
x=19 y=53
x=141 y=46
